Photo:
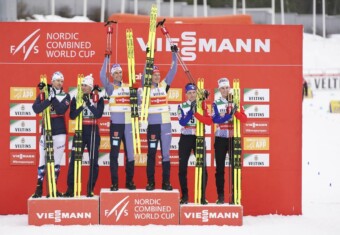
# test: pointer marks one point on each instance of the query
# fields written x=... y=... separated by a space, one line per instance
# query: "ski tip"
x=109 y=22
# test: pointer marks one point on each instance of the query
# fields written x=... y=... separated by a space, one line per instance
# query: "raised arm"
x=103 y=78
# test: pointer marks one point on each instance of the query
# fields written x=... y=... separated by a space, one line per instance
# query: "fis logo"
x=25 y=46
x=119 y=209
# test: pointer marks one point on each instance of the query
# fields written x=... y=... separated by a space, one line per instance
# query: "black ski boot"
x=69 y=193
x=166 y=186
x=130 y=185
x=184 y=200
x=150 y=186
x=38 y=190
x=114 y=187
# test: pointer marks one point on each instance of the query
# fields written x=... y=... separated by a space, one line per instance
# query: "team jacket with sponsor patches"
x=187 y=119
x=119 y=102
x=221 y=116
x=58 y=108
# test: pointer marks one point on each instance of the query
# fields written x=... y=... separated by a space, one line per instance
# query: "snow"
x=320 y=177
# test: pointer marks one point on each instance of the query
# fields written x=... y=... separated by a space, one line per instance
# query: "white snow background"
x=320 y=170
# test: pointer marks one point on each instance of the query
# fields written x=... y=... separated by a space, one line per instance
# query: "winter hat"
x=57 y=76
x=115 y=68
x=222 y=82
x=190 y=87
x=155 y=69
x=88 y=80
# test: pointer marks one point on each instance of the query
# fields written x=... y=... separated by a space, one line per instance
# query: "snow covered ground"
x=320 y=177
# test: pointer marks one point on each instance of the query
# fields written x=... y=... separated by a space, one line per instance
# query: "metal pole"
x=135 y=7
x=52 y=7
x=122 y=7
x=85 y=8
x=314 y=17
x=273 y=11
x=102 y=11
x=282 y=12
x=158 y=7
x=234 y=7
x=195 y=8
x=171 y=8
x=323 y=18
x=205 y=8
x=243 y=7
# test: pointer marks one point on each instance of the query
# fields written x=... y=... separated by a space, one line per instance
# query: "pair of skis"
x=52 y=188
x=133 y=92
x=237 y=163
x=149 y=64
x=200 y=166
x=78 y=140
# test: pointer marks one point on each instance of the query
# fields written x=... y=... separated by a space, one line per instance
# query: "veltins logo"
x=119 y=209
x=25 y=47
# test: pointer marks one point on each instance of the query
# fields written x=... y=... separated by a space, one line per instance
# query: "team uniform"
x=159 y=127
x=91 y=112
x=187 y=142
x=120 y=126
x=223 y=117
x=58 y=107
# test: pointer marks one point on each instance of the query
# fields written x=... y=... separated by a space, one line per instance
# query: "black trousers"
x=222 y=146
x=186 y=144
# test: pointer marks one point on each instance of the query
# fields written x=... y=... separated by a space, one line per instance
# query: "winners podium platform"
x=139 y=207
x=63 y=211
x=130 y=207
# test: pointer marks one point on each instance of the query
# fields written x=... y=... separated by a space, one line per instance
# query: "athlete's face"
x=57 y=84
x=86 y=89
x=191 y=95
x=156 y=77
x=117 y=76
x=224 y=91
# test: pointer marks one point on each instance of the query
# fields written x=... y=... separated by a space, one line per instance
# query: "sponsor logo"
x=190 y=45
x=21 y=110
x=256 y=143
x=256 y=95
x=22 y=93
x=256 y=160
x=104 y=143
x=22 y=126
x=257 y=111
x=27 y=46
x=323 y=82
x=58 y=215
x=22 y=158
x=261 y=128
x=22 y=142
x=175 y=94
x=206 y=215
x=119 y=209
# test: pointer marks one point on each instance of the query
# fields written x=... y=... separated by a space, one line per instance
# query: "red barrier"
x=266 y=59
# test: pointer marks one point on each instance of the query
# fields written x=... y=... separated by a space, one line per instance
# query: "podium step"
x=63 y=211
x=139 y=207
x=211 y=214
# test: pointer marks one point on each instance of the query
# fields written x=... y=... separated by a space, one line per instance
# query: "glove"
x=206 y=94
x=108 y=53
x=234 y=109
x=86 y=99
x=147 y=50
x=52 y=94
x=41 y=85
x=174 y=48
x=96 y=88
x=193 y=106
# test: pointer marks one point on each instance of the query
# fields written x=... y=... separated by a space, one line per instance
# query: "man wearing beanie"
x=58 y=102
x=91 y=110
x=188 y=117
x=120 y=125
x=223 y=114
x=159 y=123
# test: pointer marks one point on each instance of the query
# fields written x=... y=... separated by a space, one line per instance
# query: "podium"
x=211 y=214
x=63 y=211
x=139 y=207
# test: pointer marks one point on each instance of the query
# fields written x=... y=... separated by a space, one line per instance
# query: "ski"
x=78 y=140
x=109 y=31
x=200 y=152
x=48 y=140
x=149 y=64
x=133 y=92
x=237 y=147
